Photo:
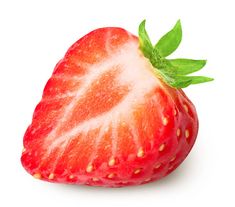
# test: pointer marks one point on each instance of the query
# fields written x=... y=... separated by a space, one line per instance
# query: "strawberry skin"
x=106 y=119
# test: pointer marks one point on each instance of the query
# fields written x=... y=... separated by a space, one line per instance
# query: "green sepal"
x=144 y=41
x=170 y=41
x=173 y=71
x=187 y=66
x=184 y=81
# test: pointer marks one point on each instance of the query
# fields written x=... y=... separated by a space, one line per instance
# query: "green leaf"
x=144 y=41
x=186 y=66
x=170 y=41
x=184 y=81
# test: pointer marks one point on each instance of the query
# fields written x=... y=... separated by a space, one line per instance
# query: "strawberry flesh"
x=105 y=118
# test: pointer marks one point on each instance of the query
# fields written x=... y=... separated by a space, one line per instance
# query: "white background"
x=34 y=35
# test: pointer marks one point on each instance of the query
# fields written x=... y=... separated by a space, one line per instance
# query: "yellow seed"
x=172 y=159
x=89 y=168
x=111 y=162
x=137 y=171
x=186 y=108
x=187 y=133
x=23 y=150
x=95 y=179
x=178 y=132
x=157 y=166
x=165 y=121
x=147 y=180
x=37 y=176
x=169 y=168
x=161 y=148
x=140 y=152
x=124 y=182
x=51 y=176
x=71 y=176
x=111 y=175
x=175 y=112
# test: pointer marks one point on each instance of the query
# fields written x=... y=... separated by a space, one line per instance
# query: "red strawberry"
x=112 y=113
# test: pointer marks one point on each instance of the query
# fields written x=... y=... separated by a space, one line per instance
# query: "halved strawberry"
x=112 y=113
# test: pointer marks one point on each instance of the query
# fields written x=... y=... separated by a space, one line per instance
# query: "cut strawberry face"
x=113 y=114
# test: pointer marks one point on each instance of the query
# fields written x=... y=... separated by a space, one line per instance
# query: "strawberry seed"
x=111 y=162
x=186 y=133
x=89 y=168
x=51 y=176
x=165 y=121
x=111 y=175
x=157 y=166
x=71 y=176
x=95 y=179
x=37 y=176
x=185 y=108
x=161 y=148
x=137 y=171
x=172 y=159
x=140 y=152
x=178 y=132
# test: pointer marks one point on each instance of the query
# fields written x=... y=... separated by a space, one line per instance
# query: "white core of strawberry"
x=135 y=71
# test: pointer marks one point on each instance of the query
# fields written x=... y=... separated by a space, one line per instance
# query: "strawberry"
x=113 y=112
